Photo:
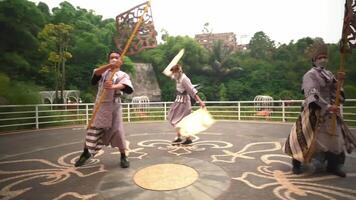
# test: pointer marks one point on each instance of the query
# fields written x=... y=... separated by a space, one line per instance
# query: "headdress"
x=317 y=48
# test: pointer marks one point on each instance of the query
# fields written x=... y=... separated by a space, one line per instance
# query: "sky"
x=281 y=20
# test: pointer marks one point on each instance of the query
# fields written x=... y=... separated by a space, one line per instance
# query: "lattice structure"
x=146 y=35
x=349 y=27
x=263 y=105
x=140 y=105
x=70 y=96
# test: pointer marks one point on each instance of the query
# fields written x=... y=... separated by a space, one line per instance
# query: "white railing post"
x=239 y=110
x=283 y=112
x=37 y=121
x=165 y=110
x=128 y=112
x=87 y=113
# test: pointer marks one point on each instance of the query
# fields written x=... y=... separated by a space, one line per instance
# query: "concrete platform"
x=232 y=160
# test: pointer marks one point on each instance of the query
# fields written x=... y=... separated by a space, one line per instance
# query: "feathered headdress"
x=317 y=48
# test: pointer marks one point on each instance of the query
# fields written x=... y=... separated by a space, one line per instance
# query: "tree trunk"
x=56 y=66
x=63 y=75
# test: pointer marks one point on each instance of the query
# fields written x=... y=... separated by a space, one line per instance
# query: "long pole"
x=340 y=82
x=338 y=92
x=128 y=43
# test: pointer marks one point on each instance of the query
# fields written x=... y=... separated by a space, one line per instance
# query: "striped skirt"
x=306 y=136
x=110 y=132
x=301 y=137
x=94 y=140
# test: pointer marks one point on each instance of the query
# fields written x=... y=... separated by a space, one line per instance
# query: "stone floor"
x=231 y=160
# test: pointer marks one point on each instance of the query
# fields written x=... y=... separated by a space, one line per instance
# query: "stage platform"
x=231 y=160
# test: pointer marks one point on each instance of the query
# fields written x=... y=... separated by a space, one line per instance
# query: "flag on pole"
x=347 y=43
x=349 y=27
x=146 y=34
x=133 y=26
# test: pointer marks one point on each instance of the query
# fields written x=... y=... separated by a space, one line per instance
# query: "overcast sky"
x=281 y=20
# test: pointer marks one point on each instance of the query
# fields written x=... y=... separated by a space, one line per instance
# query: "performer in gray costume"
x=312 y=135
x=107 y=128
x=182 y=104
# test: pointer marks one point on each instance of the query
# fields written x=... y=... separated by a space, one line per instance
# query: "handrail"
x=14 y=117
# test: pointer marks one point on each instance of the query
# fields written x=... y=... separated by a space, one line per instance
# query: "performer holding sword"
x=184 y=92
x=182 y=104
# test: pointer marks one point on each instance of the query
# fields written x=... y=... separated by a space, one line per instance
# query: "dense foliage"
x=48 y=50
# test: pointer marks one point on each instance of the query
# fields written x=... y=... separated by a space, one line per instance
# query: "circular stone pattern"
x=211 y=180
x=163 y=177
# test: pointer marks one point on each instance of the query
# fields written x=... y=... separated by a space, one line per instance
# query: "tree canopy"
x=31 y=59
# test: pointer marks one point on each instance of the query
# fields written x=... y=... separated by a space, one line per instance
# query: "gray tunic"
x=319 y=86
x=104 y=116
x=182 y=106
x=108 y=124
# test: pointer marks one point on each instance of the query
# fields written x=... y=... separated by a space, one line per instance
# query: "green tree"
x=14 y=92
x=55 y=40
x=221 y=62
x=20 y=21
x=222 y=92
x=261 y=46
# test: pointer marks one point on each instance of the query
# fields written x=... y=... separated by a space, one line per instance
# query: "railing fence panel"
x=15 y=117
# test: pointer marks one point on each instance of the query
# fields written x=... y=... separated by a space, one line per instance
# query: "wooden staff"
x=340 y=83
x=128 y=43
x=343 y=50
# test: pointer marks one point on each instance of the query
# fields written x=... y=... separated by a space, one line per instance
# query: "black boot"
x=318 y=161
x=335 y=163
x=83 y=157
x=187 y=141
x=124 y=162
x=297 y=166
x=177 y=140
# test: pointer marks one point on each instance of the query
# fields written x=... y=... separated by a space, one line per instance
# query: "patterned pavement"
x=232 y=160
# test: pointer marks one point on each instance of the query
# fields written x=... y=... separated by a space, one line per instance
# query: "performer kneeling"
x=107 y=127
x=312 y=136
x=182 y=104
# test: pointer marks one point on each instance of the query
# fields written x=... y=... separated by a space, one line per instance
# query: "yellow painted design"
x=284 y=184
x=136 y=153
x=164 y=177
x=178 y=150
x=76 y=195
x=231 y=157
x=47 y=172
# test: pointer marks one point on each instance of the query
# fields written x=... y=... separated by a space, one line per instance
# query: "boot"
x=177 y=140
x=83 y=157
x=318 y=161
x=336 y=163
x=124 y=162
x=297 y=166
x=187 y=141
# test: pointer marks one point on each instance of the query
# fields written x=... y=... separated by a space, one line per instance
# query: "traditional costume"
x=182 y=104
x=186 y=95
x=107 y=127
x=312 y=136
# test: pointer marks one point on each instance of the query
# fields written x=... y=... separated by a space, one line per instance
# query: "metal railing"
x=15 y=117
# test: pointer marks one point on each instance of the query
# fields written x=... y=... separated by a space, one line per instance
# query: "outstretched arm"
x=201 y=103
